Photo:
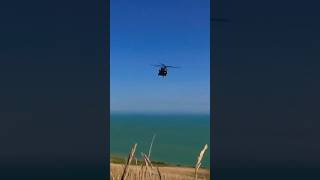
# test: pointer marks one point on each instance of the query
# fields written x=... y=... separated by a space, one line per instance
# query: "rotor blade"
x=156 y=65
x=173 y=66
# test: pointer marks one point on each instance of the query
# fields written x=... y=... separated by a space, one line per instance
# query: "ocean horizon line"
x=157 y=113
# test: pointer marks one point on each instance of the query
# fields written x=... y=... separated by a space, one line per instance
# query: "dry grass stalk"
x=147 y=160
x=151 y=146
x=198 y=164
x=136 y=160
x=159 y=173
x=146 y=165
x=131 y=155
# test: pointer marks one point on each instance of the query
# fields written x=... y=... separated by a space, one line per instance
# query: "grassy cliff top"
x=122 y=160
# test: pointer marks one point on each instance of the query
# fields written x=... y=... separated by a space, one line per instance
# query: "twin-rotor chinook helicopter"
x=163 y=71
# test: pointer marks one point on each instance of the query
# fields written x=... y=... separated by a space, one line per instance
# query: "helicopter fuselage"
x=163 y=72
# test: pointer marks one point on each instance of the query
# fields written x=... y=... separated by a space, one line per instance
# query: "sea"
x=178 y=138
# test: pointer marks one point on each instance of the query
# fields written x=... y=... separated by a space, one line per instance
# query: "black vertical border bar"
x=212 y=165
x=40 y=110
x=108 y=87
x=303 y=166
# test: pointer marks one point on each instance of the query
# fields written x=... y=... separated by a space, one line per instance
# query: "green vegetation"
x=122 y=160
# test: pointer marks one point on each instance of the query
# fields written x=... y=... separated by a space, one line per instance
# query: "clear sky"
x=174 y=32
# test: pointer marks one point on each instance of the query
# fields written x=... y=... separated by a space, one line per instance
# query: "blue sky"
x=174 y=32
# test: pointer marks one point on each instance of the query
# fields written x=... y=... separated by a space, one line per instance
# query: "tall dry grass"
x=149 y=171
x=167 y=173
x=131 y=155
x=198 y=164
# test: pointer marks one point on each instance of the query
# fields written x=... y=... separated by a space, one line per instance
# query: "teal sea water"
x=179 y=138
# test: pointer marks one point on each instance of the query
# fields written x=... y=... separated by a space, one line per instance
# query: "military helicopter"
x=163 y=71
